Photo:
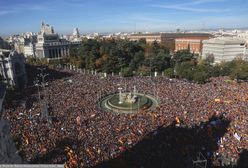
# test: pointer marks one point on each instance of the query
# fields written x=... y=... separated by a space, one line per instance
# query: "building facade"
x=169 y=39
x=148 y=37
x=224 y=49
x=29 y=50
x=193 y=44
x=49 y=44
x=76 y=33
x=18 y=44
x=12 y=69
x=29 y=44
x=75 y=37
x=24 y=43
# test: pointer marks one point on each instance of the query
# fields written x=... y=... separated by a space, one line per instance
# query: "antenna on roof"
x=135 y=28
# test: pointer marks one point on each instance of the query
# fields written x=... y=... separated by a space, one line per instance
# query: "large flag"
x=25 y=139
x=177 y=120
x=78 y=119
x=217 y=100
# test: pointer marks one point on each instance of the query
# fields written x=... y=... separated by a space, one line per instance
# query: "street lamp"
x=36 y=83
x=120 y=96
x=150 y=68
x=44 y=105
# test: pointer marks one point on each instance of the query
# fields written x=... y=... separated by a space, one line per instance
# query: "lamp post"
x=120 y=65
x=150 y=67
x=120 y=95
x=36 y=83
x=44 y=106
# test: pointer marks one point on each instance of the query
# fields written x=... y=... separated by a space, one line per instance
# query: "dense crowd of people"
x=81 y=134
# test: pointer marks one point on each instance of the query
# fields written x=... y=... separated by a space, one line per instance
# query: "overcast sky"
x=17 y=16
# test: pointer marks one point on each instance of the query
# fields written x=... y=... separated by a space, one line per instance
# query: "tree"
x=127 y=72
x=144 y=70
x=200 y=77
x=215 y=71
x=155 y=47
x=185 y=70
x=240 y=72
x=161 y=61
x=240 y=57
x=142 y=41
x=182 y=56
x=209 y=59
x=76 y=62
x=99 y=63
x=54 y=63
x=169 y=72
x=111 y=64
x=137 y=60
x=31 y=60
x=225 y=68
x=74 y=51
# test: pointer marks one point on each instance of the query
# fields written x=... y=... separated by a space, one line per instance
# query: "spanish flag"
x=217 y=100
x=25 y=139
x=89 y=152
x=78 y=120
x=120 y=141
x=177 y=120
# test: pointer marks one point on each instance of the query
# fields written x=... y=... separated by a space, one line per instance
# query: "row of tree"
x=141 y=58
x=201 y=71
x=120 y=55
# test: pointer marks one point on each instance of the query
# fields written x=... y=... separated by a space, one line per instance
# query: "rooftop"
x=224 y=41
x=175 y=34
x=150 y=34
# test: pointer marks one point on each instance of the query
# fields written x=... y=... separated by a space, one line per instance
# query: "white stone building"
x=29 y=50
x=18 y=44
x=12 y=68
x=24 y=43
x=224 y=49
x=29 y=45
x=75 y=37
x=76 y=33
x=49 y=44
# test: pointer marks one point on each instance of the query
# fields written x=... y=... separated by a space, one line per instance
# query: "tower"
x=76 y=32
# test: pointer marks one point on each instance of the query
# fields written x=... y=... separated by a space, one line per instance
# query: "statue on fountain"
x=131 y=97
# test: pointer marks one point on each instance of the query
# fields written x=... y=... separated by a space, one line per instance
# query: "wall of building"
x=12 y=68
x=223 y=49
x=148 y=37
x=29 y=50
x=49 y=45
x=169 y=40
x=193 y=44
